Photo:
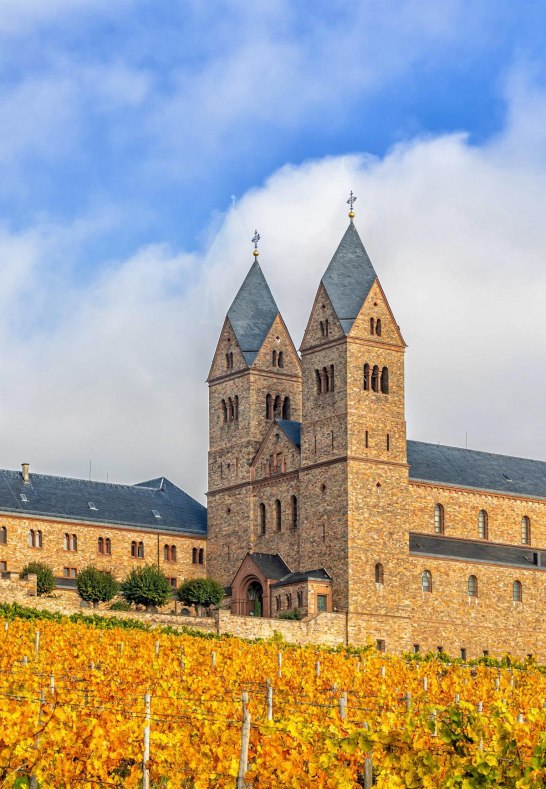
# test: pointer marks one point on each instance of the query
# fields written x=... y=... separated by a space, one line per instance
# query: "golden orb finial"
x=351 y=202
x=255 y=239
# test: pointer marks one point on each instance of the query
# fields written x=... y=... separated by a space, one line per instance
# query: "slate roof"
x=349 y=278
x=252 y=312
x=453 y=548
x=469 y=468
x=309 y=575
x=124 y=505
x=271 y=564
x=291 y=429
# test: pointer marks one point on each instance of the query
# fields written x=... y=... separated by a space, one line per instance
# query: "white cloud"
x=114 y=371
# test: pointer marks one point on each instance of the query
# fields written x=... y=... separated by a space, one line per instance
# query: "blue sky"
x=140 y=144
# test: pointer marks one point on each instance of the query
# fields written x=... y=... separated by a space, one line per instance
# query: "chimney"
x=25 y=472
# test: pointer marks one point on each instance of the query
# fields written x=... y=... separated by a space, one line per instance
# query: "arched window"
x=224 y=410
x=483 y=525
x=366 y=377
x=3 y=536
x=326 y=327
x=236 y=407
x=379 y=574
x=140 y=550
x=321 y=328
x=194 y=556
x=385 y=380
x=263 y=519
x=133 y=549
x=229 y=360
x=517 y=592
x=274 y=358
x=388 y=442
x=66 y=542
x=278 y=514
x=330 y=383
x=268 y=407
x=472 y=586
x=378 y=327
x=300 y=599
x=280 y=359
x=372 y=326
x=289 y=601
x=439 y=519
x=173 y=553
x=426 y=581
x=201 y=556
x=294 y=503
x=366 y=439
x=108 y=546
x=319 y=381
x=167 y=553
x=38 y=539
x=278 y=407
x=286 y=408
x=375 y=378
x=526 y=530
x=278 y=602
x=73 y=542
x=31 y=538
x=100 y=546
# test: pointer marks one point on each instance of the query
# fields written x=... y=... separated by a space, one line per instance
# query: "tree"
x=146 y=586
x=46 y=579
x=200 y=592
x=96 y=586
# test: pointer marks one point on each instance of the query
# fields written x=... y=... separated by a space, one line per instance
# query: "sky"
x=141 y=144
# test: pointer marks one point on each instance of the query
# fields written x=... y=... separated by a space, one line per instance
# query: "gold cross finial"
x=351 y=202
x=255 y=239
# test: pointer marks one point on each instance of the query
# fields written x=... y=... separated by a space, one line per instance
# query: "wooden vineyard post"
x=279 y=663
x=368 y=772
x=37 y=642
x=33 y=782
x=146 y=755
x=269 y=700
x=245 y=742
x=343 y=705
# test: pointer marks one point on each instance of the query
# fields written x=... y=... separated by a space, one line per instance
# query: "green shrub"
x=295 y=613
x=146 y=586
x=46 y=579
x=96 y=586
x=201 y=593
x=120 y=605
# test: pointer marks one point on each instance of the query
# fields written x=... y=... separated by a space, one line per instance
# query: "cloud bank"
x=111 y=367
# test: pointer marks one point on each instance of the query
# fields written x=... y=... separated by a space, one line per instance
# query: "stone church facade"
x=318 y=501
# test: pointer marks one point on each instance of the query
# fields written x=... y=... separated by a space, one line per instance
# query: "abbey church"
x=318 y=504
x=318 y=501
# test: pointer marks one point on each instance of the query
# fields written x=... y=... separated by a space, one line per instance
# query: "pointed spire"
x=252 y=312
x=349 y=277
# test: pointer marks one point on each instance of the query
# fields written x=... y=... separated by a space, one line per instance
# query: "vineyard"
x=82 y=706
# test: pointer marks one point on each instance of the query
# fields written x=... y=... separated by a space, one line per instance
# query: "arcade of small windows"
x=197 y=556
x=230 y=409
x=325 y=328
x=277 y=359
x=375 y=326
x=70 y=542
x=376 y=380
x=169 y=553
x=277 y=408
x=229 y=360
x=35 y=539
x=104 y=546
x=483 y=525
x=137 y=550
x=325 y=379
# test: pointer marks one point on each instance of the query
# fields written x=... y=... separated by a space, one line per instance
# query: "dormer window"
x=156 y=514
x=92 y=506
x=24 y=497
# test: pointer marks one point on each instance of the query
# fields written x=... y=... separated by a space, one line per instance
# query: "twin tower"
x=307 y=453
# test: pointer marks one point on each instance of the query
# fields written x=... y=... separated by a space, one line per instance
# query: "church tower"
x=255 y=377
x=353 y=476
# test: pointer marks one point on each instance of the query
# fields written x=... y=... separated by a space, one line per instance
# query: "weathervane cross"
x=351 y=202
x=255 y=239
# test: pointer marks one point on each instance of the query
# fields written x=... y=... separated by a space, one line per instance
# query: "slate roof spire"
x=350 y=276
x=253 y=310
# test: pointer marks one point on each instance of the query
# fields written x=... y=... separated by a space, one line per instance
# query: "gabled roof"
x=124 y=505
x=291 y=429
x=271 y=564
x=349 y=278
x=309 y=575
x=252 y=312
x=468 y=468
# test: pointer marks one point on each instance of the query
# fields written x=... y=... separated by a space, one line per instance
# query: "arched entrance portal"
x=254 y=599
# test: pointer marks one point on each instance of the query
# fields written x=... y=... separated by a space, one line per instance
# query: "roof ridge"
x=62 y=478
